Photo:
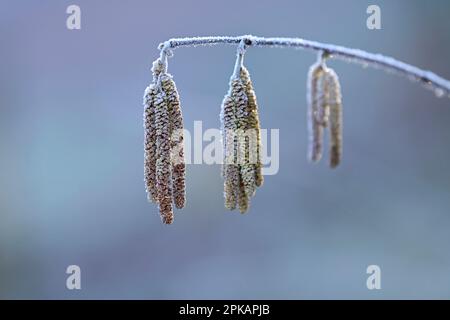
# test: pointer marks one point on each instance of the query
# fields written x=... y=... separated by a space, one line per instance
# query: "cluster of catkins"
x=242 y=168
x=324 y=111
x=240 y=127
x=164 y=166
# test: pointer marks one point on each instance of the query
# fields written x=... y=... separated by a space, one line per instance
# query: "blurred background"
x=71 y=164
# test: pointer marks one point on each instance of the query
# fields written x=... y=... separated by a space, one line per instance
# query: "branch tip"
x=431 y=80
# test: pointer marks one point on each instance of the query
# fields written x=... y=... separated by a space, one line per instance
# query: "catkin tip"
x=167 y=219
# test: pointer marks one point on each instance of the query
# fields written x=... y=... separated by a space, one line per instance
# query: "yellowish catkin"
x=163 y=163
x=230 y=169
x=335 y=103
x=253 y=124
x=315 y=128
x=242 y=142
x=246 y=169
x=176 y=143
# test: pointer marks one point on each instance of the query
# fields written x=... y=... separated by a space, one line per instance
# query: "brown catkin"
x=163 y=165
x=176 y=143
x=150 y=144
x=150 y=133
x=244 y=199
x=253 y=124
x=231 y=186
x=314 y=99
x=335 y=102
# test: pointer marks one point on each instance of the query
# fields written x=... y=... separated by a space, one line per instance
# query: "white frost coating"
x=440 y=85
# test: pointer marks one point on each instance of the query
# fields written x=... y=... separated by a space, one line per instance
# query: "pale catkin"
x=253 y=124
x=241 y=102
x=324 y=111
x=150 y=133
x=242 y=169
x=322 y=114
x=233 y=115
x=314 y=97
x=150 y=143
x=163 y=164
x=246 y=169
x=335 y=103
x=230 y=169
x=226 y=126
x=176 y=143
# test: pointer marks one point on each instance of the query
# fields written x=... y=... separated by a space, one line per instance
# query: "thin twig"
x=440 y=85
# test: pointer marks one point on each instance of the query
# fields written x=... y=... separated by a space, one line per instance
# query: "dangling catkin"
x=230 y=169
x=150 y=143
x=322 y=115
x=150 y=133
x=242 y=169
x=253 y=124
x=246 y=170
x=335 y=102
x=314 y=99
x=163 y=165
x=176 y=143
x=324 y=110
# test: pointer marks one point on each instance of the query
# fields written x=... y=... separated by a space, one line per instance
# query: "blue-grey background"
x=71 y=155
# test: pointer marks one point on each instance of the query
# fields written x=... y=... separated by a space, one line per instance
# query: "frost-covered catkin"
x=322 y=114
x=164 y=154
x=150 y=143
x=163 y=164
x=315 y=96
x=176 y=143
x=324 y=111
x=230 y=169
x=335 y=103
x=241 y=136
x=253 y=126
x=246 y=169
x=150 y=133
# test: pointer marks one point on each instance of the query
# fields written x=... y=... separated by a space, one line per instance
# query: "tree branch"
x=438 y=84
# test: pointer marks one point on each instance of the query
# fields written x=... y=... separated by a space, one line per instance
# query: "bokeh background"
x=71 y=161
